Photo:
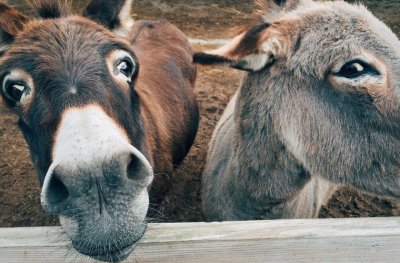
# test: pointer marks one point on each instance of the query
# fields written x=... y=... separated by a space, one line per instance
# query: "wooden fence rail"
x=318 y=240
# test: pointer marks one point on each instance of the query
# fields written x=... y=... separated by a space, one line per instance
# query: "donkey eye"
x=126 y=67
x=16 y=91
x=355 y=69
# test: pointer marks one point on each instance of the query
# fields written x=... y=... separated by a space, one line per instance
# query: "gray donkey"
x=318 y=107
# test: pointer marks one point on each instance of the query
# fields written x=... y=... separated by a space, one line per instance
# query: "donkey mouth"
x=115 y=256
x=109 y=252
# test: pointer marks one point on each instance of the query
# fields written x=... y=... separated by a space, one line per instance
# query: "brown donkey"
x=318 y=107
x=104 y=104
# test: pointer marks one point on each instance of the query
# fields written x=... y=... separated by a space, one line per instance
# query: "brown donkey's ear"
x=113 y=14
x=49 y=9
x=11 y=22
x=254 y=49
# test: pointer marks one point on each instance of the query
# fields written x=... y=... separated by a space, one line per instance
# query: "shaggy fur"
x=65 y=60
x=48 y=9
x=301 y=124
x=11 y=22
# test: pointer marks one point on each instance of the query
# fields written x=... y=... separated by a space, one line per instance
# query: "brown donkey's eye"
x=15 y=91
x=126 y=67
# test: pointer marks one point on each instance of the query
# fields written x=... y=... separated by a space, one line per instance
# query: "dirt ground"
x=19 y=187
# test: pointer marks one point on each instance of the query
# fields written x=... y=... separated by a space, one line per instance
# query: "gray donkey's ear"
x=113 y=14
x=11 y=23
x=254 y=49
x=281 y=4
x=273 y=9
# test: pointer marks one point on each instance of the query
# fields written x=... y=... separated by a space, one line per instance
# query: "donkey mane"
x=49 y=9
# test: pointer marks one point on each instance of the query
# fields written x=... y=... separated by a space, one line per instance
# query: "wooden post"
x=318 y=240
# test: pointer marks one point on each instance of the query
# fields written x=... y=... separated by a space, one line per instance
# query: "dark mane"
x=49 y=9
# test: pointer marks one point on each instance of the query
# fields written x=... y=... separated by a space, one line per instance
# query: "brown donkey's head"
x=324 y=80
x=72 y=83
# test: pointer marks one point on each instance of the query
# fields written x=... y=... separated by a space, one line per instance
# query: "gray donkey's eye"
x=355 y=69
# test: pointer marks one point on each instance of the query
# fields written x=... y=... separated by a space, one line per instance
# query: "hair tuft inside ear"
x=114 y=15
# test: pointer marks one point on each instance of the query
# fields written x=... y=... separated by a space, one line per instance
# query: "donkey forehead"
x=339 y=32
x=65 y=53
x=349 y=23
x=51 y=44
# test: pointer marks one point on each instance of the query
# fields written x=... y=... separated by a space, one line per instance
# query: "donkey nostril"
x=134 y=169
x=57 y=191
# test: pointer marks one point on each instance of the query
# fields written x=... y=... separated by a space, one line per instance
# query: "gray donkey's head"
x=324 y=77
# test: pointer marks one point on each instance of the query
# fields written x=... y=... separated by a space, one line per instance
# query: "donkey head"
x=324 y=78
x=72 y=83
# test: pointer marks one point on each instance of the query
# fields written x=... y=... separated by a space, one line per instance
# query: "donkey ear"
x=272 y=9
x=281 y=4
x=11 y=23
x=113 y=14
x=252 y=50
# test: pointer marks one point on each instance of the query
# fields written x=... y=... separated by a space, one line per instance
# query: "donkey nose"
x=55 y=191
x=57 y=188
x=68 y=180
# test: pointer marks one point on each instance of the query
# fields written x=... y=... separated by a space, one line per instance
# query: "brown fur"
x=11 y=22
x=72 y=63
x=160 y=105
x=250 y=42
x=48 y=9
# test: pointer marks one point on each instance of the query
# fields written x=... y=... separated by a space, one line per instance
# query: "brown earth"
x=19 y=189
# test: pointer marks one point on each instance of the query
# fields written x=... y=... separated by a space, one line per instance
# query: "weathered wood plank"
x=319 y=240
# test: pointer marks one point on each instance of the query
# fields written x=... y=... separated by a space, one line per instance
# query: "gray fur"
x=294 y=131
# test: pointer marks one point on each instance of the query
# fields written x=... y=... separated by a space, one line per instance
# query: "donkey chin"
x=111 y=236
